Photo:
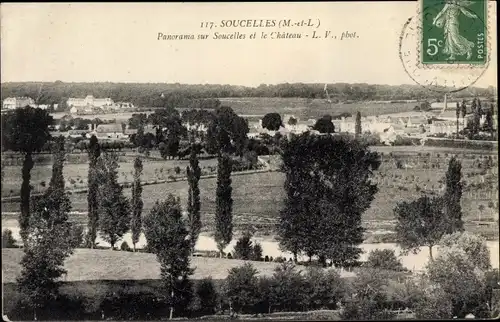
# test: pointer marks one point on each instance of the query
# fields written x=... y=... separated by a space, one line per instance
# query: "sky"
x=117 y=42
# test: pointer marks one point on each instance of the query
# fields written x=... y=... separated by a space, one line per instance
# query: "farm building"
x=110 y=131
x=147 y=129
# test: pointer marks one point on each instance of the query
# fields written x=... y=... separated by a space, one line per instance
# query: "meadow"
x=103 y=264
x=306 y=108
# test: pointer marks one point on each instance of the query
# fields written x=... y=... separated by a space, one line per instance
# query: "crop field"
x=309 y=108
x=403 y=176
x=76 y=174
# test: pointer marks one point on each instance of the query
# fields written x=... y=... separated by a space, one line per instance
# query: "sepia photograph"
x=249 y=161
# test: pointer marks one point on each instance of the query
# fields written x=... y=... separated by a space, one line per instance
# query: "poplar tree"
x=453 y=195
x=194 y=204
x=358 y=124
x=26 y=130
x=114 y=208
x=167 y=237
x=224 y=203
x=137 y=203
x=94 y=152
x=48 y=240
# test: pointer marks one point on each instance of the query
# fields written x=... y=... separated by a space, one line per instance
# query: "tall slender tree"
x=477 y=116
x=94 y=152
x=224 y=203
x=26 y=130
x=137 y=203
x=193 y=174
x=48 y=241
x=357 y=129
x=167 y=237
x=453 y=195
x=463 y=109
x=458 y=116
x=114 y=208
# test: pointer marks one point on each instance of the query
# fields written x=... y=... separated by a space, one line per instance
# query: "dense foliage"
x=327 y=188
x=167 y=237
x=182 y=95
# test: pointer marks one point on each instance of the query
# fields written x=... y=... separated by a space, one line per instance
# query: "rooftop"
x=106 y=128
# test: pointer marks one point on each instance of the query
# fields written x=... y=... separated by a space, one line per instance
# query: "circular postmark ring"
x=450 y=76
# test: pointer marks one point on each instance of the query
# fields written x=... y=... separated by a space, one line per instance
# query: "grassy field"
x=87 y=264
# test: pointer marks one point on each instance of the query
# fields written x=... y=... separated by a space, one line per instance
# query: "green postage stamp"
x=454 y=32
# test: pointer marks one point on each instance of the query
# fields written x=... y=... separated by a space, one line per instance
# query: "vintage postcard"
x=249 y=161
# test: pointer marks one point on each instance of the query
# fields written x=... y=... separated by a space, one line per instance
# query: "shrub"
x=127 y=306
x=77 y=236
x=263 y=304
x=323 y=288
x=241 y=288
x=8 y=241
x=384 y=259
x=206 y=297
x=125 y=247
x=365 y=309
x=63 y=308
x=287 y=289
x=177 y=170
x=433 y=305
x=257 y=252
x=280 y=259
x=243 y=248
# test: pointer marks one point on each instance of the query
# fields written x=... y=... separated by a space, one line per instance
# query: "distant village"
x=77 y=106
x=438 y=119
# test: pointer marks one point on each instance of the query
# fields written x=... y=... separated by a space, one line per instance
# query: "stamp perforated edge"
x=476 y=66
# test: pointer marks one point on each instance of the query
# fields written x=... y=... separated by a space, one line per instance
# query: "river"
x=271 y=248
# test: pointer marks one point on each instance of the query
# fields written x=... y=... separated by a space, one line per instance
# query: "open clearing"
x=88 y=264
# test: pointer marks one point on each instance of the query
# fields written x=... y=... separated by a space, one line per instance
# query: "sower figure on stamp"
x=454 y=43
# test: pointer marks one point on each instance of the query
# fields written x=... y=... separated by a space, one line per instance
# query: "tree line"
x=183 y=95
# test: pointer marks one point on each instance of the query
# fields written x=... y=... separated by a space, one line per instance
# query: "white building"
x=11 y=103
x=448 y=126
x=372 y=125
x=122 y=105
x=110 y=131
x=89 y=101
